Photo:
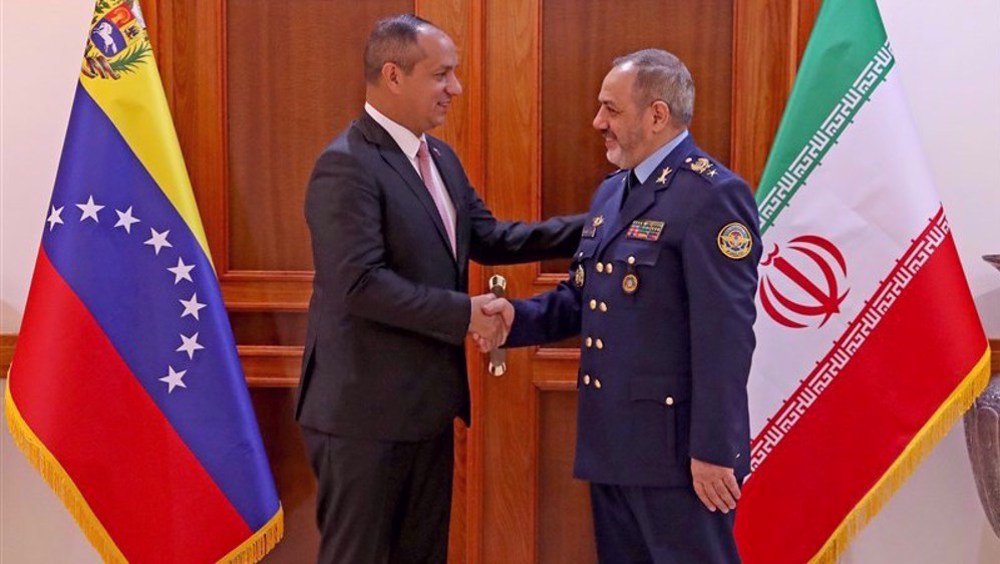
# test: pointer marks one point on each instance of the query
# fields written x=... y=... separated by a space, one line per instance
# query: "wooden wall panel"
x=579 y=42
x=563 y=502
x=294 y=80
x=769 y=37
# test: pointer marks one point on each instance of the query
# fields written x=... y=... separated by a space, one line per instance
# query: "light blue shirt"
x=646 y=167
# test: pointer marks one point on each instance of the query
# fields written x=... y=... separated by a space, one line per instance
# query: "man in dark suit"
x=394 y=223
x=661 y=291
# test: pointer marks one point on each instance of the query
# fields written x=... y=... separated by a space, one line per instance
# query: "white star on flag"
x=192 y=307
x=158 y=240
x=125 y=219
x=54 y=217
x=90 y=210
x=189 y=345
x=174 y=379
x=181 y=271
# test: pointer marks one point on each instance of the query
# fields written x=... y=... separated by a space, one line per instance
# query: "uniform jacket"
x=662 y=296
x=384 y=356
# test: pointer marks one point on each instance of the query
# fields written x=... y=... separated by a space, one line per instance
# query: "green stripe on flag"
x=846 y=58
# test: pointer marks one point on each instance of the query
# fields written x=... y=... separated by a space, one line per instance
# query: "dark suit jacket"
x=384 y=356
x=666 y=354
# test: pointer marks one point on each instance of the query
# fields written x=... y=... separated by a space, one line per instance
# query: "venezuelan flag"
x=125 y=390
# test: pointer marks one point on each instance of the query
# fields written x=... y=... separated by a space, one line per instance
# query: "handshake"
x=490 y=321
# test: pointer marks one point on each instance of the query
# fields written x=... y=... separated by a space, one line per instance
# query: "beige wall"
x=949 y=57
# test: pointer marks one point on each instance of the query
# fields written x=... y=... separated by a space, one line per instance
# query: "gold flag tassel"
x=939 y=425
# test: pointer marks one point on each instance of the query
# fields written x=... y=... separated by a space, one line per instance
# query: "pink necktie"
x=437 y=192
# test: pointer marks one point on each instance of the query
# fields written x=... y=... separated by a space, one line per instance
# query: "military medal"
x=580 y=276
x=630 y=283
x=645 y=230
x=591 y=231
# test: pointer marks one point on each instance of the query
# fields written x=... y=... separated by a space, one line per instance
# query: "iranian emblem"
x=118 y=43
x=734 y=240
x=580 y=276
x=800 y=284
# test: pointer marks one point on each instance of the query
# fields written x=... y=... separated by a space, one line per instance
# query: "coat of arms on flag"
x=125 y=390
x=868 y=343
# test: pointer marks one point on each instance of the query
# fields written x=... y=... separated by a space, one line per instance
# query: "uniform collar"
x=646 y=167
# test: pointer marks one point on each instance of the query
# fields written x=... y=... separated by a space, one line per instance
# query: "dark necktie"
x=630 y=185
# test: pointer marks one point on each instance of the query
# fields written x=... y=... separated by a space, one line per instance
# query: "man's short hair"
x=661 y=76
x=394 y=40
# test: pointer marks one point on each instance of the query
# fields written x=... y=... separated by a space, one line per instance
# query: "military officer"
x=661 y=292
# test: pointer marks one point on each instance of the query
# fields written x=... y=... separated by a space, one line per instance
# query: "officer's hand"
x=487 y=331
x=504 y=309
x=716 y=486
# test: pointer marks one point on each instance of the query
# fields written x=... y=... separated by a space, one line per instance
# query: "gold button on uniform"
x=590 y=342
x=598 y=343
x=600 y=267
x=631 y=260
x=597 y=383
x=593 y=304
x=609 y=268
x=670 y=400
x=586 y=379
x=603 y=307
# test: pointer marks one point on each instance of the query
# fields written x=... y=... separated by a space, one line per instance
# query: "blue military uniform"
x=661 y=292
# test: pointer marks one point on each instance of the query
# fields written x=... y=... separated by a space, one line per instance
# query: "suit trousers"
x=659 y=525
x=382 y=502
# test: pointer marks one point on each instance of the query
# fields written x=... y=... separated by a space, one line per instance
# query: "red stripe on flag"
x=77 y=395
x=927 y=342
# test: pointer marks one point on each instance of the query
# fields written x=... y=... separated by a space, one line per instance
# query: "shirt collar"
x=646 y=167
x=403 y=137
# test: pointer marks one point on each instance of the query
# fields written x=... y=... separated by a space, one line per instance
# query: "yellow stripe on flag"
x=137 y=106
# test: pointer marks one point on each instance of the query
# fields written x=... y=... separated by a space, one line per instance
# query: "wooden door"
x=257 y=88
x=543 y=63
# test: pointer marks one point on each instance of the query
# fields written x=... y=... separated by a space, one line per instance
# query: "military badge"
x=118 y=43
x=580 y=276
x=701 y=165
x=591 y=230
x=735 y=241
x=630 y=283
x=645 y=230
x=663 y=176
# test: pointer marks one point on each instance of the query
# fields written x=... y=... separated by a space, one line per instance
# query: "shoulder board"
x=704 y=167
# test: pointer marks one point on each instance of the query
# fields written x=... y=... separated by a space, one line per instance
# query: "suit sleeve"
x=344 y=213
x=722 y=312
x=509 y=242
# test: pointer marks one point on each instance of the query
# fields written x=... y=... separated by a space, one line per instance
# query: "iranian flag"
x=868 y=343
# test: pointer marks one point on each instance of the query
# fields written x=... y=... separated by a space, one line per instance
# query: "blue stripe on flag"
x=128 y=289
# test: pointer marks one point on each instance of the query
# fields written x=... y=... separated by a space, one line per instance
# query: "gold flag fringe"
x=249 y=552
x=255 y=548
x=60 y=482
x=939 y=425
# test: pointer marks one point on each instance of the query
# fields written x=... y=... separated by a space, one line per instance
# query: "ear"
x=390 y=75
x=661 y=115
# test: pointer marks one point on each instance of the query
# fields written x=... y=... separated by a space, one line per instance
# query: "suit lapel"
x=452 y=178
x=399 y=162
x=645 y=196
